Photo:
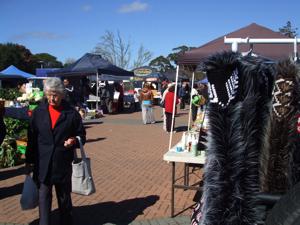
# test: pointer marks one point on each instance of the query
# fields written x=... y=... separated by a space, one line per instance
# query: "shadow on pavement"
x=87 y=126
x=178 y=114
x=181 y=128
x=119 y=213
x=16 y=189
x=94 y=140
x=6 y=174
x=92 y=121
x=6 y=192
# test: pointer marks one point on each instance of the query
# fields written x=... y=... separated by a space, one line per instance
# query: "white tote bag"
x=82 y=181
x=30 y=194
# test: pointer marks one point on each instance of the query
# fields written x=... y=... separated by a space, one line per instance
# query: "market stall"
x=16 y=118
x=176 y=155
x=92 y=65
x=147 y=74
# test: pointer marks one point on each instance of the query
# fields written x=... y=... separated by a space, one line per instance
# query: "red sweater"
x=169 y=101
x=54 y=115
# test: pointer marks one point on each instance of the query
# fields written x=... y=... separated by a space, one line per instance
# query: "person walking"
x=162 y=103
x=146 y=97
x=105 y=97
x=51 y=143
x=169 y=106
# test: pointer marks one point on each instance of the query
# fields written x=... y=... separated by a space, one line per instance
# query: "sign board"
x=151 y=79
x=136 y=79
x=142 y=72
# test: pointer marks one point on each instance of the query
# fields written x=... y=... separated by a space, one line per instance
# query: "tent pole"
x=174 y=107
x=190 y=108
x=295 y=50
x=97 y=90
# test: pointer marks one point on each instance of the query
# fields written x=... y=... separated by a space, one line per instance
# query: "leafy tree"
x=161 y=64
x=118 y=51
x=69 y=61
x=47 y=61
x=173 y=57
x=288 y=31
x=17 y=55
x=22 y=58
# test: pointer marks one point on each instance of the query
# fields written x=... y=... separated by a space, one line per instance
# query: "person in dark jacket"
x=69 y=92
x=51 y=143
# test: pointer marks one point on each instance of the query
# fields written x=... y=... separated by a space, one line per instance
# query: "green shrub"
x=9 y=156
x=16 y=128
x=9 y=93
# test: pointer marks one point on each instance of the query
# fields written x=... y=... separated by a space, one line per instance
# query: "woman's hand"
x=70 y=142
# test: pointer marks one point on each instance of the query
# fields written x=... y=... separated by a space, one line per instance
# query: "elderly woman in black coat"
x=51 y=143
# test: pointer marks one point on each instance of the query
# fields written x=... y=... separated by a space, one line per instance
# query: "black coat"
x=52 y=161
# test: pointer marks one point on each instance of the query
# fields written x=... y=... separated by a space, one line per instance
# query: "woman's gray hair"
x=54 y=84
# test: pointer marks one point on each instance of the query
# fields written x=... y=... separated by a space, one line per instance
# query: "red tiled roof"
x=272 y=51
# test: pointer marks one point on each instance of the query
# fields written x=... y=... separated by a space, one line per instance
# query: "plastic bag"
x=30 y=194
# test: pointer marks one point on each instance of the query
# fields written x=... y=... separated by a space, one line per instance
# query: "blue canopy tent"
x=13 y=71
x=43 y=72
x=5 y=77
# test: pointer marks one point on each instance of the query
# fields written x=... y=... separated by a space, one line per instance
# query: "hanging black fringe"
x=240 y=97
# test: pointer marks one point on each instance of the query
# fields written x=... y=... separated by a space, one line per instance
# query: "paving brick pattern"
x=133 y=182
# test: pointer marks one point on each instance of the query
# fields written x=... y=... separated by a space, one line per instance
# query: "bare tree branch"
x=118 y=51
x=142 y=57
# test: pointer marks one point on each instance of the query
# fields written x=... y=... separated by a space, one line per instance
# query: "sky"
x=71 y=28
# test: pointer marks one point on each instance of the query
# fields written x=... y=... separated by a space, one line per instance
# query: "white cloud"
x=38 y=35
x=133 y=7
x=86 y=8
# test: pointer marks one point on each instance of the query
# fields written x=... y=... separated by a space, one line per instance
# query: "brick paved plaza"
x=133 y=182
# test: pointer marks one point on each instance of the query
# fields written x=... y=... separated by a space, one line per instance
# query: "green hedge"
x=16 y=128
x=9 y=153
x=9 y=93
x=9 y=156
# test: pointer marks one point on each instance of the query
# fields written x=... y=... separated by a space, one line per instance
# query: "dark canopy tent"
x=93 y=64
x=272 y=51
x=109 y=77
x=90 y=64
x=171 y=75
